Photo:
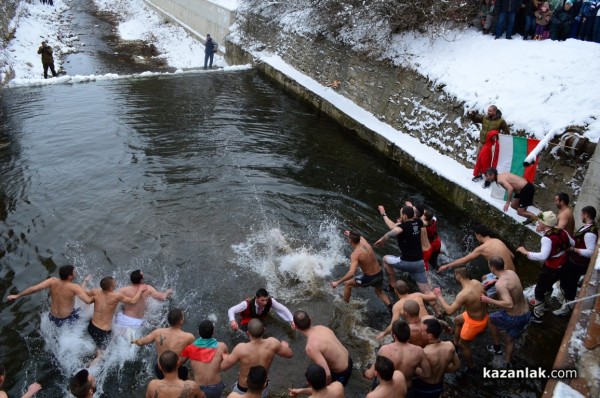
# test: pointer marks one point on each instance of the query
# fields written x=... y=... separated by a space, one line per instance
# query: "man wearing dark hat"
x=553 y=252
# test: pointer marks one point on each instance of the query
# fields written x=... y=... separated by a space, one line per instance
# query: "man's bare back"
x=509 y=283
x=105 y=305
x=416 y=335
x=395 y=389
x=440 y=355
x=173 y=389
x=515 y=182
x=324 y=348
x=367 y=261
x=209 y=373
x=470 y=297
x=173 y=339
x=398 y=309
x=406 y=358
x=138 y=309
x=495 y=247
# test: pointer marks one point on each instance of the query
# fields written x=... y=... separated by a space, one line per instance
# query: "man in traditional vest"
x=578 y=259
x=258 y=307
x=555 y=243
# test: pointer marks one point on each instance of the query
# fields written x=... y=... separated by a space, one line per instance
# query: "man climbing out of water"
x=259 y=351
x=324 y=348
x=258 y=307
x=514 y=314
x=105 y=306
x=205 y=355
x=473 y=321
x=172 y=338
x=82 y=384
x=317 y=384
x=364 y=257
x=62 y=293
x=171 y=386
x=489 y=247
x=132 y=315
x=522 y=189
x=408 y=233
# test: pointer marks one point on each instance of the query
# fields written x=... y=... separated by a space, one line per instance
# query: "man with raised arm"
x=514 y=315
x=401 y=289
x=172 y=338
x=522 y=189
x=324 y=349
x=172 y=386
x=364 y=257
x=408 y=233
x=406 y=357
x=259 y=351
x=205 y=355
x=473 y=321
x=258 y=307
x=133 y=314
x=105 y=306
x=62 y=293
x=392 y=383
x=317 y=384
x=489 y=247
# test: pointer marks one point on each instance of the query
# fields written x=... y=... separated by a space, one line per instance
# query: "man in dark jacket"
x=47 y=59
x=492 y=121
x=507 y=11
x=560 y=25
x=209 y=51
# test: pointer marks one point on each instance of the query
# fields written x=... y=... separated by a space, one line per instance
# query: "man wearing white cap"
x=553 y=253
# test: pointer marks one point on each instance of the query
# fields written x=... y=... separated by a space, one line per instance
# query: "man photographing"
x=47 y=59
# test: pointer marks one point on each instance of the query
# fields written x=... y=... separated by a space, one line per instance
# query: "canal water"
x=214 y=184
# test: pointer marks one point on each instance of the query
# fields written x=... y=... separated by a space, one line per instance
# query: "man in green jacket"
x=492 y=121
x=47 y=59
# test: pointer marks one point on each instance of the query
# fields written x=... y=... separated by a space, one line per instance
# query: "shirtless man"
x=317 y=384
x=392 y=383
x=364 y=257
x=257 y=380
x=475 y=318
x=401 y=289
x=489 y=247
x=520 y=187
x=133 y=314
x=324 y=348
x=259 y=351
x=82 y=384
x=406 y=357
x=33 y=388
x=442 y=359
x=105 y=305
x=515 y=314
x=172 y=338
x=62 y=293
x=171 y=386
x=206 y=355
x=566 y=220
x=415 y=322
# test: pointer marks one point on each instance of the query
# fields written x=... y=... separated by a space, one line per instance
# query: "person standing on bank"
x=491 y=121
x=47 y=59
x=210 y=48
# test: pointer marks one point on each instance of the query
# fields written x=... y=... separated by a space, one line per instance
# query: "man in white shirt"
x=258 y=307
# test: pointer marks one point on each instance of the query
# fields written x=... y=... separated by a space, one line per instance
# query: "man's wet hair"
x=401 y=287
x=590 y=211
x=262 y=292
x=80 y=384
x=315 y=375
x=462 y=271
x=174 y=316
x=206 y=329
x=65 y=272
x=168 y=361
x=136 y=277
x=428 y=215
x=433 y=327
x=563 y=197
x=401 y=330
x=256 y=328
x=411 y=307
x=492 y=172
x=408 y=211
x=354 y=237
x=482 y=230
x=106 y=283
x=384 y=367
x=496 y=262
x=420 y=209
x=302 y=320
x=257 y=377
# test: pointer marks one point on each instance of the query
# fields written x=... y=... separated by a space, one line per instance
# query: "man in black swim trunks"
x=364 y=257
x=522 y=189
x=62 y=292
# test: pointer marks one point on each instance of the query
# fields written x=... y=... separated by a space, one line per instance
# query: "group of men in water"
x=416 y=359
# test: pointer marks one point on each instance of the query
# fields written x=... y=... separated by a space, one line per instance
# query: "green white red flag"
x=512 y=154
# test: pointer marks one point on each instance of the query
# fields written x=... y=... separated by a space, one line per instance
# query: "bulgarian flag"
x=512 y=154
